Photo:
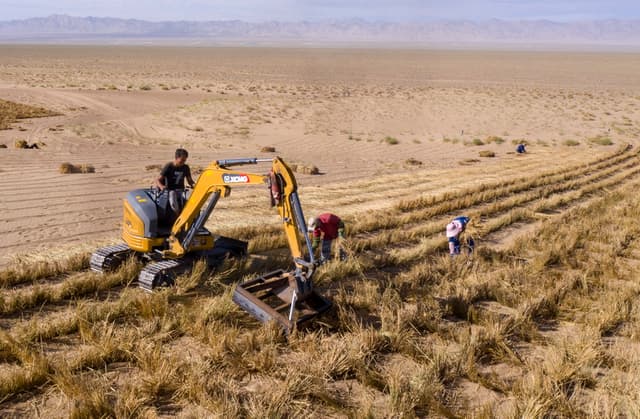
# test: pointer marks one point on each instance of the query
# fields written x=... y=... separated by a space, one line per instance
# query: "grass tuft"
x=487 y=153
x=66 y=168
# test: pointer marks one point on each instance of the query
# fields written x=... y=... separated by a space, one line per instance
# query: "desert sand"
x=125 y=109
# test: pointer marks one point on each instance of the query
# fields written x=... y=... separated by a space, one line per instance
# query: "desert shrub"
x=468 y=161
x=477 y=141
x=601 y=140
x=412 y=162
x=487 y=153
x=516 y=142
x=391 y=140
x=153 y=167
x=20 y=144
x=494 y=139
x=268 y=149
x=3 y=146
x=571 y=143
x=145 y=87
x=66 y=168
x=304 y=169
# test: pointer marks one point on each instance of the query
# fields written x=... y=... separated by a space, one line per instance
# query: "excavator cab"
x=170 y=246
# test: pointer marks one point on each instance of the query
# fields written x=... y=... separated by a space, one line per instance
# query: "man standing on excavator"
x=172 y=179
x=326 y=228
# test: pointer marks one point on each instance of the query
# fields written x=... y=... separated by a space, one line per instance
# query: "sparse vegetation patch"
x=487 y=153
x=11 y=112
x=67 y=168
x=601 y=140
x=306 y=169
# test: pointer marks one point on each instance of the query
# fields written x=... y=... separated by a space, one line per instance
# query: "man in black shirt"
x=172 y=179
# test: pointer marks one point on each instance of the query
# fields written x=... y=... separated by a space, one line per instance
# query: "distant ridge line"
x=596 y=32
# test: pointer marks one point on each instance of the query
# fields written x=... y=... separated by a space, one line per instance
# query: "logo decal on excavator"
x=227 y=178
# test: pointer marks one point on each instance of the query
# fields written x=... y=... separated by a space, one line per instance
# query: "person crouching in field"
x=453 y=231
x=326 y=227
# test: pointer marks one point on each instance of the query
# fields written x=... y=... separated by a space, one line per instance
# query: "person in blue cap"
x=454 y=229
x=520 y=149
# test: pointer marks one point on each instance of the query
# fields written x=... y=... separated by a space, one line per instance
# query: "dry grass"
x=571 y=143
x=411 y=162
x=11 y=112
x=268 y=149
x=20 y=144
x=391 y=140
x=487 y=153
x=66 y=168
x=154 y=167
x=305 y=169
x=600 y=140
x=548 y=322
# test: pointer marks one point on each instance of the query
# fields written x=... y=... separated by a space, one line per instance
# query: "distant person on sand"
x=326 y=228
x=520 y=149
x=453 y=231
x=172 y=179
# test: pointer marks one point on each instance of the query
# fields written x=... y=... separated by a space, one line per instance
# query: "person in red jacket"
x=326 y=228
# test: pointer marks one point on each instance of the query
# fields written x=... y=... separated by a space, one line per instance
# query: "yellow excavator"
x=170 y=245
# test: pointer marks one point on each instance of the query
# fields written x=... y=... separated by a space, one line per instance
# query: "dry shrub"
x=153 y=167
x=66 y=168
x=494 y=139
x=268 y=149
x=487 y=153
x=3 y=146
x=20 y=144
x=600 y=140
x=571 y=143
x=466 y=162
x=412 y=162
x=305 y=169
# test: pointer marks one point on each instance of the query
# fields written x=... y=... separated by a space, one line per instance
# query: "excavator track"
x=161 y=273
x=109 y=258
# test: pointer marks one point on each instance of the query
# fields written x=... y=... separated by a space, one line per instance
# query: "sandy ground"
x=126 y=108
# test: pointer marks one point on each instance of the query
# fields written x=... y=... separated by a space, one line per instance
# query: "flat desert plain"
x=124 y=110
x=543 y=321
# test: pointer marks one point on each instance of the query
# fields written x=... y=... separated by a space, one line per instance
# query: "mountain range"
x=64 y=28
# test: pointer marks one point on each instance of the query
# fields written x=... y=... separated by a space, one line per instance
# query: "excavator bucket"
x=276 y=296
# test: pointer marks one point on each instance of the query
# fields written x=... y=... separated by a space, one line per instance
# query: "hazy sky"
x=386 y=10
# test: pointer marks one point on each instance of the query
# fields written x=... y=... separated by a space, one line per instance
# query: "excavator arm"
x=216 y=182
